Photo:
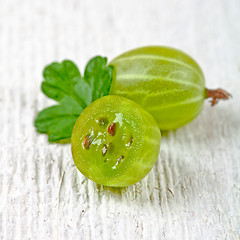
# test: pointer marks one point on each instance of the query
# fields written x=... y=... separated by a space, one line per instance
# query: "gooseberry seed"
x=129 y=144
x=104 y=149
x=103 y=121
x=120 y=159
x=87 y=142
x=112 y=129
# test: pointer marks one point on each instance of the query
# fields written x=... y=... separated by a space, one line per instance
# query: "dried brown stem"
x=217 y=94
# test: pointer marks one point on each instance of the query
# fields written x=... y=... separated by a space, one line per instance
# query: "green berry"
x=119 y=152
x=166 y=82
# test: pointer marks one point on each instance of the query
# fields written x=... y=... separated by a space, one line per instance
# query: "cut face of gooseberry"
x=115 y=142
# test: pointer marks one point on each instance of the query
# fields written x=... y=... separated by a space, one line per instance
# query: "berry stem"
x=216 y=95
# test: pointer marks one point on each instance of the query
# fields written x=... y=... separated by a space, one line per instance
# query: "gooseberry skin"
x=121 y=159
x=166 y=82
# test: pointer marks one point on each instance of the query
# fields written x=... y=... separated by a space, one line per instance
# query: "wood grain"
x=193 y=192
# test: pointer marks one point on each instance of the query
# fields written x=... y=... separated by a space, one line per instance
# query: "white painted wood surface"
x=193 y=192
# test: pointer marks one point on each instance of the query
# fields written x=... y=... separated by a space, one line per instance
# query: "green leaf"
x=64 y=83
x=92 y=76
